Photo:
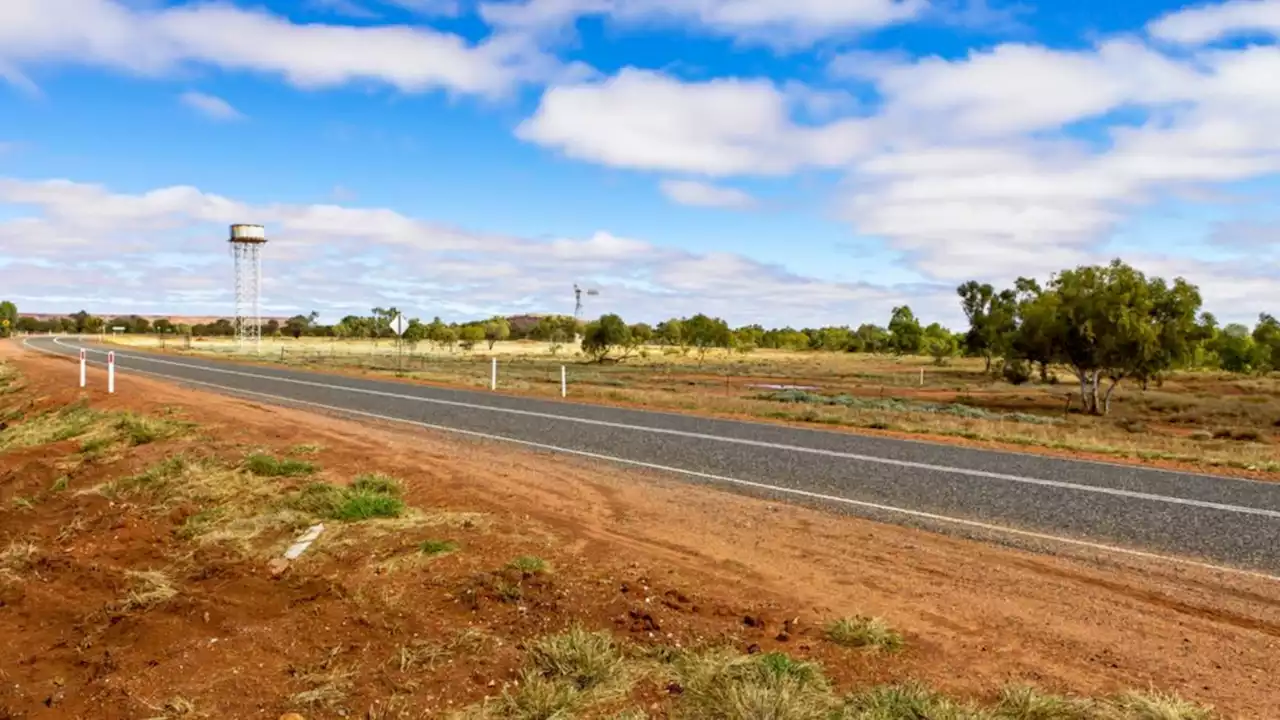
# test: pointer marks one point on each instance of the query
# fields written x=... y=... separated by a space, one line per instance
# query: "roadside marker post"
x=493 y=374
x=564 y=385
x=82 y=364
x=111 y=372
x=922 y=377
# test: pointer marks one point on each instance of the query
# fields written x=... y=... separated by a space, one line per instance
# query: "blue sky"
x=795 y=162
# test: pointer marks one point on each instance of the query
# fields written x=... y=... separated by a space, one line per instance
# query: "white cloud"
x=1015 y=88
x=160 y=41
x=210 y=105
x=699 y=194
x=773 y=21
x=646 y=120
x=1207 y=23
x=171 y=245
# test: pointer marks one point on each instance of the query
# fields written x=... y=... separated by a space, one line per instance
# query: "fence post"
x=564 y=384
x=921 y=376
x=493 y=374
x=111 y=372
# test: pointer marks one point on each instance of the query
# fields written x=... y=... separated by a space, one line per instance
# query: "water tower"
x=246 y=247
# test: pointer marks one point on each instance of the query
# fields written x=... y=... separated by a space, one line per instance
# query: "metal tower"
x=577 y=300
x=246 y=247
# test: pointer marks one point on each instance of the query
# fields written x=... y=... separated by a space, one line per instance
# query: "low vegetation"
x=270 y=466
x=864 y=632
x=437 y=547
x=366 y=498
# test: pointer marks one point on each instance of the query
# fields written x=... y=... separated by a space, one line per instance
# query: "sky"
x=801 y=162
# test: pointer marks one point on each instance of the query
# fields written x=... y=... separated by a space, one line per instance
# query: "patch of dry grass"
x=148 y=588
x=18 y=559
x=563 y=673
x=327 y=681
x=864 y=632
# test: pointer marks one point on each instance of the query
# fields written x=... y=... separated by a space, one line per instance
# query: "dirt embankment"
x=123 y=599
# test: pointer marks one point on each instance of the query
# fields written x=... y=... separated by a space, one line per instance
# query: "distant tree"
x=705 y=333
x=834 y=339
x=1266 y=343
x=940 y=343
x=870 y=338
x=299 y=325
x=641 y=333
x=8 y=318
x=271 y=328
x=905 y=334
x=415 y=332
x=469 y=335
x=748 y=336
x=163 y=326
x=784 y=339
x=1114 y=323
x=434 y=331
x=603 y=335
x=1036 y=339
x=448 y=337
x=380 y=322
x=496 y=329
x=992 y=319
x=671 y=333
x=1234 y=348
x=638 y=336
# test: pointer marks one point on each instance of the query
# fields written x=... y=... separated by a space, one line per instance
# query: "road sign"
x=398 y=323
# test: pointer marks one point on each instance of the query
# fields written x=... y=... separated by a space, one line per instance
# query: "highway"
x=1016 y=498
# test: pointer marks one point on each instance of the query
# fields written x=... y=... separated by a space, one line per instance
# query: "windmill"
x=577 y=299
x=577 y=307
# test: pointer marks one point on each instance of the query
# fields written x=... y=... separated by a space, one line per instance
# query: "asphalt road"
x=1216 y=520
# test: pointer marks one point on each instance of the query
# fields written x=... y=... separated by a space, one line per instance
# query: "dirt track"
x=976 y=616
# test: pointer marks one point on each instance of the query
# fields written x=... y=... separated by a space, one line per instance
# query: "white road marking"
x=1100 y=547
x=1172 y=500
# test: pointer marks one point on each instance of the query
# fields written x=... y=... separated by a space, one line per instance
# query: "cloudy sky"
x=776 y=161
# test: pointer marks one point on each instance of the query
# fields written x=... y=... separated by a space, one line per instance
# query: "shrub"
x=1016 y=372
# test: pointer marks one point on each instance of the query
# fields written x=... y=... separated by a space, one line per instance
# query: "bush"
x=1016 y=372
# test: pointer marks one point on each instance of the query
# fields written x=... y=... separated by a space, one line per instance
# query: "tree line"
x=1105 y=324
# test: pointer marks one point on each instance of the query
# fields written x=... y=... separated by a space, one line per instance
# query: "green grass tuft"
x=265 y=465
x=143 y=430
x=720 y=684
x=528 y=564
x=864 y=632
x=370 y=496
x=437 y=547
x=1023 y=702
x=584 y=660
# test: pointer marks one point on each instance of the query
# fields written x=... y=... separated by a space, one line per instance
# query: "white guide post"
x=564 y=386
x=493 y=374
x=82 y=364
x=111 y=372
x=922 y=376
